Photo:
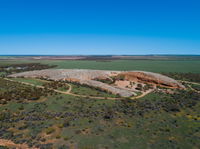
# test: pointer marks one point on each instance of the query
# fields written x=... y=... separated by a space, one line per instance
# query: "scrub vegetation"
x=157 y=120
x=43 y=118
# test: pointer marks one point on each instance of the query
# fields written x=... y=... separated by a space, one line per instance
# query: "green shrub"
x=66 y=138
x=50 y=130
x=58 y=137
x=3 y=147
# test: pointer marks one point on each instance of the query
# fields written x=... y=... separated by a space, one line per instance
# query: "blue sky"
x=99 y=27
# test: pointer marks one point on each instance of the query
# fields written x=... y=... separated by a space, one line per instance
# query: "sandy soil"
x=123 y=84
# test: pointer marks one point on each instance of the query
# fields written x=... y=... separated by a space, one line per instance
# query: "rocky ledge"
x=89 y=77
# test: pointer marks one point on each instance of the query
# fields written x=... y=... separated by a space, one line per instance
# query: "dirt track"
x=68 y=92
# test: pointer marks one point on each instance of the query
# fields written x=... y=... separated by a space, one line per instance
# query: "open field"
x=84 y=90
x=174 y=64
x=29 y=80
x=146 y=65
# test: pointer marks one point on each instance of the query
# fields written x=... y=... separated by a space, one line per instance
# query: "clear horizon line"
x=100 y=55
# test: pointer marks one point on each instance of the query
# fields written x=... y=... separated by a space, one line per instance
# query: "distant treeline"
x=16 y=68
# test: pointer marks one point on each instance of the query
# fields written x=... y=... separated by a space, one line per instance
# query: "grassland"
x=29 y=80
x=183 y=66
x=88 y=91
x=147 y=65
